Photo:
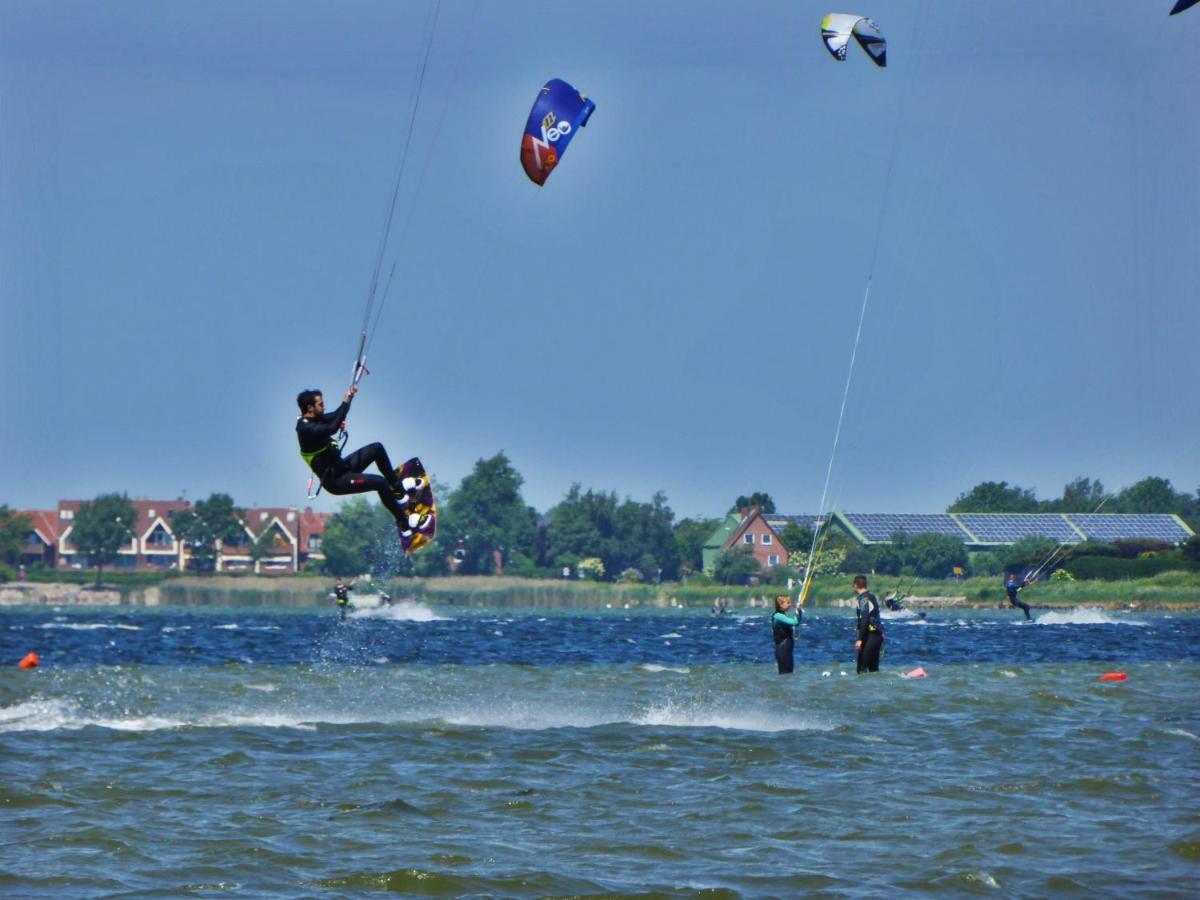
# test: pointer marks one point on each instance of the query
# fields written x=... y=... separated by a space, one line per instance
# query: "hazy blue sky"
x=191 y=198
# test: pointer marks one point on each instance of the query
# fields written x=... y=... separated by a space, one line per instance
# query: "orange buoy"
x=29 y=661
x=1113 y=676
x=915 y=673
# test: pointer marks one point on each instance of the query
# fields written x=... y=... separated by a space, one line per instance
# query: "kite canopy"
x=837 y=28
x=557 y=114
x=1182 y=5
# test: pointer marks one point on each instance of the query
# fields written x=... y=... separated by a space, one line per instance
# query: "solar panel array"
x=1008 y=528
x=881 y=526
x=1112 y=527
x=779 y=522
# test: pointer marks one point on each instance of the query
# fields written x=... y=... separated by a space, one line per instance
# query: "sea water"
x=437 y=751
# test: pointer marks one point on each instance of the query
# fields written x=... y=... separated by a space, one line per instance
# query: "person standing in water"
x=341 y=593
x=1012 y=584
x=783 y=629
x=870 y=631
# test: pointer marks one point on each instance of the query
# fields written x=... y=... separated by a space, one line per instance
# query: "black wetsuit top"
x=317 y=442
x=867 y=615
x=342 y=592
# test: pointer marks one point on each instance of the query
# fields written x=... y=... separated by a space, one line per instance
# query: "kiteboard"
x=420 y=503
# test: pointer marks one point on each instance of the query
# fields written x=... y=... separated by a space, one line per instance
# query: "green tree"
x=204 y=525
x=760 y=499
x=690 y=535
x=797 y=538
x=486 y=516
x=935 y=555
x=361 y=538
x=102 y=527
x=1026 y=554
x=736 y=566
x=1082 y=495
x=13 y=528
x=995 y=497
x=1152 y=495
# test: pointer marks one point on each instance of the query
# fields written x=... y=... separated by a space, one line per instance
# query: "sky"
x=192 y=198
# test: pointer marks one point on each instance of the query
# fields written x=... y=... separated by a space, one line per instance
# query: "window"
x=150 y=513
x=262 y=517
x=766 y=538
x=160 y=539
x=772 y=560
x=291 y=516
x=314 y=543
x=66 y=514
x=748 y=538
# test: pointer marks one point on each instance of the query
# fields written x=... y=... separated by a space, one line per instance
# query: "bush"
x=1107 y=568
x=1132 y=548
x=985 y=563
x=7 y=572
x=1191 y=548
x=631 y=576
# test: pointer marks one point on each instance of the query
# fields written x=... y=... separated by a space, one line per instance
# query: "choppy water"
x=451 y=753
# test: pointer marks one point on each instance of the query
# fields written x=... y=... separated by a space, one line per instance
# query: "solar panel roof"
x=1008 y=528
x=1114 y=526
x=881 y=526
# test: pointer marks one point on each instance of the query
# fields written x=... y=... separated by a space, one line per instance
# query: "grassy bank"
x=1168 y=590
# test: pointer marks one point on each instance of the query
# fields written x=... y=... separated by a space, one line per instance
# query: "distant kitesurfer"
x=783 y=628
x=1012 y=584
x=317 y=431
x=894 y=601
x=385 y=599
x=870 y=631
x=341 y=593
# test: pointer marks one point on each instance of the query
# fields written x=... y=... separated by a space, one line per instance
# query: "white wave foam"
x=1083 y=616
x=655 y=667
x=673 y=716
x=400 y=611
x=90 y=626
x=671 y=634
x=1182 y=733
x=232 y=626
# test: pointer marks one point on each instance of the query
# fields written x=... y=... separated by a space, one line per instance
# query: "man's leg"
x=358 y=483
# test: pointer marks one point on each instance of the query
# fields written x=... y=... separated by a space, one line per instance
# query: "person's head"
x=310 y=400
x=783 y=603
x=860 y=583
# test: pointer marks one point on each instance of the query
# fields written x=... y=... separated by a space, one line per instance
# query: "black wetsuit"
x=870 y=632
x=784 y=633
x=342 y=593
x=318 y=446
x=1011 y=586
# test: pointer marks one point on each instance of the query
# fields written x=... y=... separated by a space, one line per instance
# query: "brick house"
x=293 y=539
x=746 y=528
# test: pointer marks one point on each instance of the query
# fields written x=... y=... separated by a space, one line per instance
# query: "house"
x=275 y=540
x=41 y=541
x=749 y=528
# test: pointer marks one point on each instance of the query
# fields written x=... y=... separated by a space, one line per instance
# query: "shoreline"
x=268 y=592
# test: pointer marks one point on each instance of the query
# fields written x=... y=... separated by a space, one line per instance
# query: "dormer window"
x=291 y=516
x=262 y=517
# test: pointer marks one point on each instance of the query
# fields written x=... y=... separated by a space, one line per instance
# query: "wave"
x=1084 y=616
x=90 y=626
x=703 y=716
x=655 y=667
x=400 y=611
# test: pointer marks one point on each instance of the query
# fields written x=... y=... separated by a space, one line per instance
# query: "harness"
x=337 y=444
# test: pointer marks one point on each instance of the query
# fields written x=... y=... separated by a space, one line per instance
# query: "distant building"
x=978 y=531
x=276 y=540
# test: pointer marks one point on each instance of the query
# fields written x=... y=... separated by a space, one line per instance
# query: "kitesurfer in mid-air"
x=317 y=431
x=1012 y=584
x=783 y=630
x=870 y=631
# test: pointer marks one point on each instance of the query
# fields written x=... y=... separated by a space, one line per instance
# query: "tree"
x=1152 y=495
x=736 y=566
x=102 y=527
x=690 y=535
x=361 y=538
x=760 y=499
x=995 y=497
x=797 y=538
x=1026 y=554
x=486 y=516
x=1082 y=495
x=13 y=528
x=935 y=555
x=205 y=524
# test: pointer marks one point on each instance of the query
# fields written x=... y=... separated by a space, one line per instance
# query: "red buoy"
x=1113 y=676
x=29 y=661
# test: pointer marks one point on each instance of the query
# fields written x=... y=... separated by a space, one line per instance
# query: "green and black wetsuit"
x=783 y=630
x=318 y=447
x=870 y=632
